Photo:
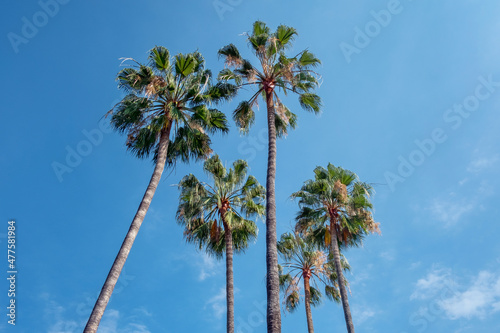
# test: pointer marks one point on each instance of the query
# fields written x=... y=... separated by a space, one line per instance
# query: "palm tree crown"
x=303 y=259
x=169 y=92
x=277 y=70
x=338 y=194
x=231 y=200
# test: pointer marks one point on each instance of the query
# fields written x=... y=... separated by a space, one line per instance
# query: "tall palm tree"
x=166 y=97
x=336 y=206
x=276 y=71
x=216 y=216
x=304 y=261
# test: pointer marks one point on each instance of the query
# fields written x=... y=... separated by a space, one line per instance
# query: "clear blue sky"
x=410 y=104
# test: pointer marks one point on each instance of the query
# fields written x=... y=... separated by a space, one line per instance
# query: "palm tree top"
x=290 y=74
x=301 y=259
x=336 y=193
x=232 y=198
x=165 y=92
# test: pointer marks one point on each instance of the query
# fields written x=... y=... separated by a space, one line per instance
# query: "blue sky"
x=410 y=104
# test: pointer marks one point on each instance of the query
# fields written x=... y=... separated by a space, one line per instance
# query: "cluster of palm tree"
x=168 y=114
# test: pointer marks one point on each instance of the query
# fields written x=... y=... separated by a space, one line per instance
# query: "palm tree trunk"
x=272 y=278
x=334 y=249
x=114 y=273
x=307 y=290
x=229 y=278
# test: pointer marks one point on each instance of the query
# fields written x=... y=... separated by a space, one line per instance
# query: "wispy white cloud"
x=362 y=315
x=109 y=322
x=480 y=164
x=64 y=320
x=209 y=266
x=388 y=255
x=437 y=280
x=415 y=265
x=57 y=315
x=480 y=299
x=450 y=211
x=218 y=303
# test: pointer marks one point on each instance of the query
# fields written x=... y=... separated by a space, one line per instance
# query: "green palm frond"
x=310 y=102
x=316 y=295
x=188 y=144
x=244 y=116
x=159 y=58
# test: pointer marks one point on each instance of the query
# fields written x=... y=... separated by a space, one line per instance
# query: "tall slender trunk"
x=334 y=249
x=114 y=273
x=272 y=278
x=229 y=278
x=307 y=291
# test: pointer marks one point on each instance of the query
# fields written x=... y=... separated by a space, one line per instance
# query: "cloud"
x=61 y=321
x=218 y=303
x=415 y=265
x=56 y=315
x=449 y=211
x=480 y=164
x=109 y=322
x=480 y=299
x=208 y=267
x=436 y=281
x=363 y=315
x=389 y=255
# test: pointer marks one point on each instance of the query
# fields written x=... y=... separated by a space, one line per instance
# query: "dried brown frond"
x=287 y=72
x=252 y=76
x=318 y=261
x=233 y=61
x=328 y=238
x=280 y=109
x=341 y=190
x=154 y=86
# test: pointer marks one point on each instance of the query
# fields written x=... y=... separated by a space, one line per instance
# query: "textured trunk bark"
x=334 y=248
x=272 y=283
x=114 y=273
x=307 y=291
x=229 y=278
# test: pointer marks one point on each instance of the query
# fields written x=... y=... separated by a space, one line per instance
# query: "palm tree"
x=167 y=97
x=212 y=215
x=276 y=71
x=304 y=261
x=335 y=208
